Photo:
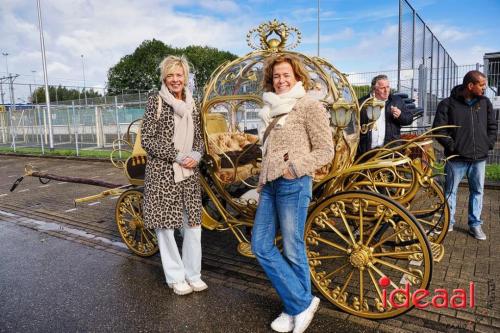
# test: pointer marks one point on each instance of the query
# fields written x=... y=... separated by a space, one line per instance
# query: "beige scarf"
x=275 y=105
x=183 y=129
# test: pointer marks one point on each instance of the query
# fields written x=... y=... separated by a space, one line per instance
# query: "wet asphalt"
x=48 y=284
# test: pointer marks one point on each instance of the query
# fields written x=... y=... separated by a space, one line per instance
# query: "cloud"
x=104 y=31
x=220 y=6
x=450 y=34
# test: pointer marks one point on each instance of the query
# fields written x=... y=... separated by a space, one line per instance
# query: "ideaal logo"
x=440 y=298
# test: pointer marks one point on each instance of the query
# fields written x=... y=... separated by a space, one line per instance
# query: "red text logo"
x=440 y=298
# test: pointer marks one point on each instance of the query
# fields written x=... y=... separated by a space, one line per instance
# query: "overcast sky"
x=356 y=35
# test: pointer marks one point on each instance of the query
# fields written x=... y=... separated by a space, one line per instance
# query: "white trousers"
x=188 y=267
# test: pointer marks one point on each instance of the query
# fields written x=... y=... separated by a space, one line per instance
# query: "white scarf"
x=275 y=105
x=183 y=127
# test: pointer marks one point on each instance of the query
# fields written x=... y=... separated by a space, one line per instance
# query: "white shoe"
x=303 y=319
x=284 y=323
x=181 y=288
x=198 y=285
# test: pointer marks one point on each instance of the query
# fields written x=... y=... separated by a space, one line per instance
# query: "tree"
x=361 y=90
x=139 y=70
x=61 y=94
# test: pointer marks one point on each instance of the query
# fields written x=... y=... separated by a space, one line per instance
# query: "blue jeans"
x=475 y=171
x=283 y=205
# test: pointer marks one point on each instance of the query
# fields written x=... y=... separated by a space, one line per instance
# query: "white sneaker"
x=284 y=323
x=181 y=288
x=198 y=285
x=303 y=319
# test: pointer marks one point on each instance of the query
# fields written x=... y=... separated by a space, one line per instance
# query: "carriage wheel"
x=351 y=241
x=431 y=210
x=128 y=215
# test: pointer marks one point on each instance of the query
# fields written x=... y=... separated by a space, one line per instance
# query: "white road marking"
x=3 y=195
x=70 y=210
x=12 y=176
x=51 y=226
x=7 y=213
x=62 y=183
x=43 y=186
x=25 y=190
x=94 y=203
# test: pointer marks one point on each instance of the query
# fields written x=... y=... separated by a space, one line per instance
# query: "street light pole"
x=84 y=91
x=45 y=77
x=5 y=54
x=318 y=28
x=34 y=86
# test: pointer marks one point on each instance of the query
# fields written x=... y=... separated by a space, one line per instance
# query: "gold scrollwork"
x=273 y=36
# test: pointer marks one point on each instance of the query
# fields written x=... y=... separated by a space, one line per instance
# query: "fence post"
x=75 y=128
x=99 y=127
x=4 y=127
x=40 y=128
x=12 y=130
x=118 y=128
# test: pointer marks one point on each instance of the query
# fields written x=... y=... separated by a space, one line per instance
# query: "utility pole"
x=5 y=54
x=84 y=84
x=45 y=77
x=318 y=29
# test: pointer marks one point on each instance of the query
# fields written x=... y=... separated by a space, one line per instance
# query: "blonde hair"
x=168 y=64
x=299 y=71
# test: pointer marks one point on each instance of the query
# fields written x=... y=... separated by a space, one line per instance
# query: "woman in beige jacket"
x=298 y=143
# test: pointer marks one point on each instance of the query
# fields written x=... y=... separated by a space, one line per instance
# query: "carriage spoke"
x=329 y=257
x=332 y=244
x=383 y=240
x=347 y=226
x=376 y=227
x=393 y=253
x=327 y=276
x=396 y=267
x=334 y=229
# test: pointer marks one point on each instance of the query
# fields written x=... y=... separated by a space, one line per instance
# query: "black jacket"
x=478 y=127
x=392 y=125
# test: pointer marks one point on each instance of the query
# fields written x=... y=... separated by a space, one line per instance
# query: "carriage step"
x=208 y=222
x=437 y=252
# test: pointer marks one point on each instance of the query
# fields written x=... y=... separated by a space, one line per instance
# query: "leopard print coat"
x=164 y=199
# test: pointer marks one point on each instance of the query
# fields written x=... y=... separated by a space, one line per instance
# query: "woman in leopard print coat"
x=171 y=135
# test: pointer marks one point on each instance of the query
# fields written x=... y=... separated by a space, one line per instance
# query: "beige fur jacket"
x=302 y=145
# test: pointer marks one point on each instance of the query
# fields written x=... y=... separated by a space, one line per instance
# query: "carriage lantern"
x=373 y=108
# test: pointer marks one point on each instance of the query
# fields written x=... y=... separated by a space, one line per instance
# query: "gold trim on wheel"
x=355 y=238
x=129 y=219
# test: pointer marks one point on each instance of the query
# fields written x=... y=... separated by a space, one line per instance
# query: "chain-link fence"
x=95 y=124
x=92 y=123
x=426 y=72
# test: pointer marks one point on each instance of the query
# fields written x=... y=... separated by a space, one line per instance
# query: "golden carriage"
x=380 y=215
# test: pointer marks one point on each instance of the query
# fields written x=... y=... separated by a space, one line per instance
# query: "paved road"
x=50 y=284
x=48 y=211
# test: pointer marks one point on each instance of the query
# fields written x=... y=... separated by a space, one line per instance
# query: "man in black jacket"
x=468 y=108
x=388 y=126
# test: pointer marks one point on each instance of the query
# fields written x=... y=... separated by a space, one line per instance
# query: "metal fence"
x=96 y=124
x=426 y=72
x=74 y=126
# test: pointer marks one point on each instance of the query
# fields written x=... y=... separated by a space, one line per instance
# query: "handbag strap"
x=270 y=127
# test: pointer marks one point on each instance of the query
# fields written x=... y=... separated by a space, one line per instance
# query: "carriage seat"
x=234 y=149
x=135 y=166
